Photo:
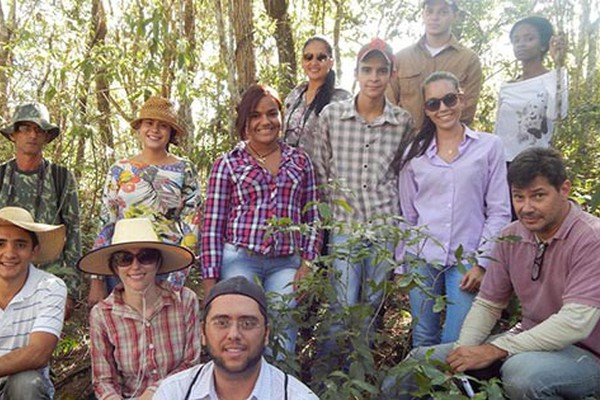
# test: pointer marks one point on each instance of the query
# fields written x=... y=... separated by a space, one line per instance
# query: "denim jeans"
x=26 y=385
x=275 y=273
x=353 y=277
x=570 y=373
x=427 y=329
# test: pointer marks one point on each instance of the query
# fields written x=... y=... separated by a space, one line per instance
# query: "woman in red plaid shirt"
x=260 y=181
x=144 y=331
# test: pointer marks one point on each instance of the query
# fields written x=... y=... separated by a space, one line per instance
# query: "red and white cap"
x=376 y=45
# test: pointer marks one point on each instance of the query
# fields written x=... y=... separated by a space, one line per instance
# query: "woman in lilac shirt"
x=452 y=184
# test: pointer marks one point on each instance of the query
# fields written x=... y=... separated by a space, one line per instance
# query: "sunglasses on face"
x=320 y=57
x=125 y=258
x=434 y=104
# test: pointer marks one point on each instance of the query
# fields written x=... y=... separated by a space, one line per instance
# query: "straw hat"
x=32 y=112
x=51 y=238
x=135 y=232
x=160 y=109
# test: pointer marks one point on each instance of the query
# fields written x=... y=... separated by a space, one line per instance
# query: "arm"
x=216 y=213
x=104 y=372
x=69 y=213
x=190 y=213
x=309 y=214
x=497 y=202
x=322 y=155
x=407 y=189
x=471 y=88
x=571 y=324
x=35 y=355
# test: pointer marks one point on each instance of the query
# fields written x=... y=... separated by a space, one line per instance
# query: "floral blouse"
x=169 y=195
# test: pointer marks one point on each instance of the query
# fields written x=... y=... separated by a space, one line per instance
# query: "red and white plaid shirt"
x=127 y=349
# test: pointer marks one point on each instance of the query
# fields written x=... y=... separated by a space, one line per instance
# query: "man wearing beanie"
x=235 y=331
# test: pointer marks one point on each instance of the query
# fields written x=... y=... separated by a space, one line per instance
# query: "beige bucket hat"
x=31 y=112
x=135 y=232
x=51 y=238
x=163 y=110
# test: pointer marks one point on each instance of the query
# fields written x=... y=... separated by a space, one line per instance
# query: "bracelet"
x=97 y=277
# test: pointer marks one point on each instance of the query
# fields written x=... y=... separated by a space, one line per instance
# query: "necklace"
x=262 y=158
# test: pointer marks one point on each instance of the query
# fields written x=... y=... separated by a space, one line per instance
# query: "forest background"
x=94 y=62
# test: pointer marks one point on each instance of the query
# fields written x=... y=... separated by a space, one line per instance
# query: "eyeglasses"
x=320 y=57
x=30 y=128
x=125 y=258
x=434 y=104
x=538 y=261
x=243 y=324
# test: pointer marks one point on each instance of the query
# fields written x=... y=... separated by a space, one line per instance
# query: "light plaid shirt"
x=360 y=159
x=121 y=353
x=242 y=197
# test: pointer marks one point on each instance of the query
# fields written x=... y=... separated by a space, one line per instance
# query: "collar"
x=34 y=276
x=349 y=111
x=205 y=387
x=469 y=136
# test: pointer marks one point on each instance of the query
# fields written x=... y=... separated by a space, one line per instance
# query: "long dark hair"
x=325 y=92
x=418 y=146
x=247 y=105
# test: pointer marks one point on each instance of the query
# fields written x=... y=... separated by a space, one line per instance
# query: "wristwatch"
x=97 y=277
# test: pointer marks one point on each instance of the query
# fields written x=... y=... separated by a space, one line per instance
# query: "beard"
x=247 y=367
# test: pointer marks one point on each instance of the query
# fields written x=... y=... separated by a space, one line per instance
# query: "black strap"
x=285 y=387
x=2 y=173
x=189 y=391
x=59 y=178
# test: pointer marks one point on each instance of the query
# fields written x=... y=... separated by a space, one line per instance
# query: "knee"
x=26 y=385
x=522 y=382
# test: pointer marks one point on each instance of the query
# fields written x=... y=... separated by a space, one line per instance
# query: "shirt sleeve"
x=51 y=314
x=471 y=88
x=313 y=237
x=322 y=155
x=109 y=209
x=571 y=324
x=497 y=202
x=190 y=213
x=69 y=212
x=407 y=189
x=104 y=371
x=479 y=322
x=216 y=213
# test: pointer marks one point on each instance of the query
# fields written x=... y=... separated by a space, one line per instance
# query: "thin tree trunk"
x=277 y=10
x=102 y=84
x=189 y=32
x=7 y=25
x=243 y=29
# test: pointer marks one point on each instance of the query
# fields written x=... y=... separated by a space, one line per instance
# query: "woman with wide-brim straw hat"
x=154 y=184
x=146 y=329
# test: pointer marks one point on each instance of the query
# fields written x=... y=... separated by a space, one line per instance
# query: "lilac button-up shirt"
x=465 y=202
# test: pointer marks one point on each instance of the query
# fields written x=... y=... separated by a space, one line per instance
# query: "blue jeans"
x=353 y=277
x=26 y=385
x=275 y=273
x=445 y=280
x=570 y=373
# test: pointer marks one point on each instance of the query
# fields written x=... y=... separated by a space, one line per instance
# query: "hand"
x=471 y=281
x=97 y=292
x=69 y=308
x=474 y=357
x=558 y=49
x=207 y=284
x=302 y=271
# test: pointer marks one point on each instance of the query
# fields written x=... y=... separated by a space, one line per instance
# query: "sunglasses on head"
x=125 y=258
x=434 y=104
x=320 y=57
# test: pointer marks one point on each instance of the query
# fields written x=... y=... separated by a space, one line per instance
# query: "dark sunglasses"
x=125 y=258
x=449 y=100
x=320 y=57
x=538 y=261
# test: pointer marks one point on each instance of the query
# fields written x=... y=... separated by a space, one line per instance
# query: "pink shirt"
x=570 y=272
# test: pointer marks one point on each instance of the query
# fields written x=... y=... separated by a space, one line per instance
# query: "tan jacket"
x=415 y=63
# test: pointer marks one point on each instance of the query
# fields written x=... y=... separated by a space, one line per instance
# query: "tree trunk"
x=243 y=28
x=7 y=25
x=102 y=84
x=277 y=10
x=185 y=106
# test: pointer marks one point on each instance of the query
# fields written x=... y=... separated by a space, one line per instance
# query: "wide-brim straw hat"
x=51 y=238
x=163 y=110
x=32 y=112
x=135 y=232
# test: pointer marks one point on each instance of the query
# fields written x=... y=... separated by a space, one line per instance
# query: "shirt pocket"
x=249 y=183
x=410 y=82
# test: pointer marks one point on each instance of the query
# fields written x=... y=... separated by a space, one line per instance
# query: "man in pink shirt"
x=554 y=269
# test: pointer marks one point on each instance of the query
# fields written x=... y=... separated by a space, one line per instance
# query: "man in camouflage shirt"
x=46 y=190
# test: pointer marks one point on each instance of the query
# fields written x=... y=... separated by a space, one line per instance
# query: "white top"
x=38 y=307
x=527 y=111
x=269 y=386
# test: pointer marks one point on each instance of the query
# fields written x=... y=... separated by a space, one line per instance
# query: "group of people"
x=400 y=147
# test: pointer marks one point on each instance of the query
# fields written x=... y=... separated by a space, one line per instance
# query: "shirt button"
x=154 y=371
x=367 y=146
x=364 y=186
x=148 y=324
x=151 y=346
x=365 y=166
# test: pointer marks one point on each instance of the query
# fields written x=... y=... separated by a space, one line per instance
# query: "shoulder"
x=296 y=389
x=177 y=385
x=336 y=109
x=586 y=225
x=340 y=94
x=46 y=280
